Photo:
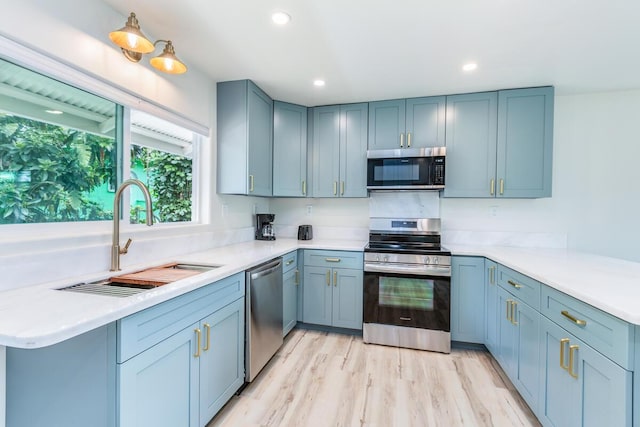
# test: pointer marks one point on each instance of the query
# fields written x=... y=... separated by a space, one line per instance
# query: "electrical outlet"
x=309 y=210
x=493 y=210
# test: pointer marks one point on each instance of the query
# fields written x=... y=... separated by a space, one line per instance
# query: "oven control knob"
x=427 y=260
x=436 y=260
x=378 y=258
x=386 y=258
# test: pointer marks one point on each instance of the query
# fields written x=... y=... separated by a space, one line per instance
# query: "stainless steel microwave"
x=406 y=169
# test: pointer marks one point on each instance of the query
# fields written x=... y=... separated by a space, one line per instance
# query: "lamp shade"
x=131 y=38
x=167 y=61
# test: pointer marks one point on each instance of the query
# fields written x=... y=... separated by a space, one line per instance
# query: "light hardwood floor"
x=328 y=379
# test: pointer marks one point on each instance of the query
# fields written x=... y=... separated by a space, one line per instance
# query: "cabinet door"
x=467 y=293
x=471 y=145
x=221 y=359
x=289 y=150
x=527 y=375
x=425 y=122
x=326 y=151
x=507 y=331
x=260 y=134
x=491 y=306
x=347 y=298
x=317 y=295
x=525 y=142
x=290 y=300
x=353 y=150
x=387 y=124
x=159 y=387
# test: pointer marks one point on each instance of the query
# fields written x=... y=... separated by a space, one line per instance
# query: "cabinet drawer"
x=609 y=335
x=142 y=330
x=289 y=262
x=519 y=285
x=341 y=259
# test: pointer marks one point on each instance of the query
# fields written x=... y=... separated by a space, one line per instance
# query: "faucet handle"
x=126 y=247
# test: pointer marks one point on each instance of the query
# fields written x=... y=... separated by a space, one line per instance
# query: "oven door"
x=418 y=301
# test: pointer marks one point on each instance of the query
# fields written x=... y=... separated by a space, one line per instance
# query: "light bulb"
x=168 y=64
x=132 y=40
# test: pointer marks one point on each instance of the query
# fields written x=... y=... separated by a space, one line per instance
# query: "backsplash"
x=404 y=204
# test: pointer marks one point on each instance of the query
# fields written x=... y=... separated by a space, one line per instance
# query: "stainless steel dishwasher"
x=263 y=316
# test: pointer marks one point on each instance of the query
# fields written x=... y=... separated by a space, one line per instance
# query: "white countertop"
x=38 y=316
x=610 y=284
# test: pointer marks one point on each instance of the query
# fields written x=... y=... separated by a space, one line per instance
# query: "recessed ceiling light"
x=281 y=18
x=470 y=66
x=318 y=82
x=53 y=111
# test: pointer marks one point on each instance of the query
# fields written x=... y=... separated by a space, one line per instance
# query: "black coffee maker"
x=264 y=227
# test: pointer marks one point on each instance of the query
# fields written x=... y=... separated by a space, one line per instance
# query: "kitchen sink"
x=133 y=283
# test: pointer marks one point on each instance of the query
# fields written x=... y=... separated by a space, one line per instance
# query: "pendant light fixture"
x=134 y=44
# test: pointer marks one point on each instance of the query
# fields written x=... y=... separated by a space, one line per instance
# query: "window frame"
x=94 y=230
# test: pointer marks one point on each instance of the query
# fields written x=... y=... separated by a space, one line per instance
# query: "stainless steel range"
x=407 y=285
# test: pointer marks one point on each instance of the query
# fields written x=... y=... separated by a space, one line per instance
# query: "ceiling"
x=381 y=49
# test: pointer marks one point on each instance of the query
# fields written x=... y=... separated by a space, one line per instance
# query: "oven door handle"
x=422 y=270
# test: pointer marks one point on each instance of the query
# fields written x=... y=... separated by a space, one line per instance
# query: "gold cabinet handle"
x=501 y=186
x=492 y=275
x=335 y=279
x=332 y=259
x=408 y=139
x=514 y=306
x=207 y=327
x=297 y=279
x=563 y=342
x=574 y=319
x=198 y=339
x=572 y=350
x=509 y=310
x=250 y=183
x=289 y=262
x=304 y=188
x=492 y=187
x=514 y=284
x=328 y=277
x=335 y=188
x=342 y=188
x=402 y=140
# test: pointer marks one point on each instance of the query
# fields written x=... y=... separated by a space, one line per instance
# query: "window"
x=61 y=159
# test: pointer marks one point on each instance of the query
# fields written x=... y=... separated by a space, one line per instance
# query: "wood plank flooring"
x=328 y=379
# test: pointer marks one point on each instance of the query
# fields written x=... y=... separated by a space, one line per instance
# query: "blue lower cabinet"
x=185 y=379
x=518 y=346
x=347 y=298
x=467 y=297
x=491 y=306
x=581 y=386
x=157 y=386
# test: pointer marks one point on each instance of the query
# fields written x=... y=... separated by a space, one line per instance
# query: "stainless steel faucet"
x=115 y=247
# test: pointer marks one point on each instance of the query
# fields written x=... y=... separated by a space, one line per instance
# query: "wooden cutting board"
x=156 y=276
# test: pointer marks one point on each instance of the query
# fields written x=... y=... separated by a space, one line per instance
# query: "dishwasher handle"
x=266 y=269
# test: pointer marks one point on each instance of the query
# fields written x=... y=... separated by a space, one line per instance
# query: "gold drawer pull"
x=575 y=320
x=289 y=262
x=563 y=342
x=572 y=358
x=207 y=327
x=332 y=259
x=514 y=284
x=198 y=341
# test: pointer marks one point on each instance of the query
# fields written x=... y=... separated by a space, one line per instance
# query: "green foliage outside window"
x=47 y=171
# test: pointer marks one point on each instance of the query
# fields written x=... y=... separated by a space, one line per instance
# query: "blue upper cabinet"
x=289 y=150
x=500 y=144
x=525 y=142
x=471 y=145
x=339 y=151
x=245 y=139
x=410 y=123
